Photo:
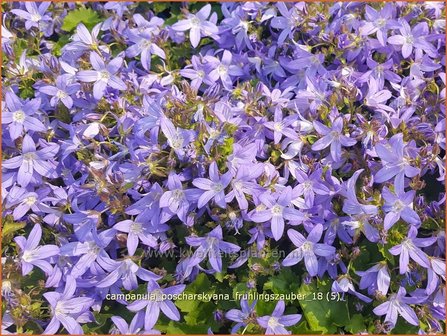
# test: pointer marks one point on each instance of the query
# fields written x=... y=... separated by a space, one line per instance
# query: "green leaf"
x=174 y=328
x=322 y=315
x=9 y=227
x=85 y=15
x=201 y=285
x=283 y=283
x=356 y=324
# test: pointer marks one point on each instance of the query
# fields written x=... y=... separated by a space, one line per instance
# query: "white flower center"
x=178 y=194
x=135 y=228
x=201 y=73
x=277 y=126
x=93 y=248
x=307 y=185
x=195 y=22
x=30 y=200
x=222 y=69
x=237 y=185
x=146 y=44
x=211 y=241
x=214 y=134
x=408 y=244
x=307 y=246
x=18 y=116
x=58 y=309
x=398 y=206
x=35 y=17
x=177 y=142
x=104 y=75
x=380 y=23
x=28 y=256
x=218 y=187
x=61 y=94
x=29 y=156
x=277 y=209
x=273 y=322
x=335 y=134
x=409 y=39
x=156 y=295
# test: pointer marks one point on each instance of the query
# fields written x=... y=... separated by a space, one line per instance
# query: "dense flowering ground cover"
x=213 y=150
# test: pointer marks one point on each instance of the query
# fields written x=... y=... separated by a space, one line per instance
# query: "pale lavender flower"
x=276 y=323
x=211 y=246
x=410 y=248
x=308 y=248
x=103 y=75
x=398 y=304
x=332 y=137
x=198 y=25
x=214 y=187
x=67 y=309
x=156 y=301
x=19 y=116
x=33 y=255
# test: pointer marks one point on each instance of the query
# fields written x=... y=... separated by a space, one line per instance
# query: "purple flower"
x=197 y=25
x=244 y=183
x=84 y=41
x=309 y=186
x=103 y=75
x=135 y=327
x=67 y=309
x=276 y=209
x=33 y=163
x=308 y=248
x=62 y=91
x=213 y=188
x=178 y=138
x=91 y=253
x=398 y=206
x=344 y=285
x=410 y=248
x=146 y=47
x=276 y=323
x=360 y=213
x=33 y=14
x=410 y=38
x=395 y=160
x=196 y=72
x=332 y=137
x=19 y=116
x=34 y=255
x=288 y=22
x=376 y=278
x=137 y=230
x=126 y=271
x=157 y=299
x=398 y=304
x=379 y=22
x=210 y=246
x=280 y=126
x=241 y=316
x=176 y=199
x=223 y=69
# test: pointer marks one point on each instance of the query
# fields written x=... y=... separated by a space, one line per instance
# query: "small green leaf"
x=85 y=15
x=356 y=324
x=9 y=227
x=322 y=315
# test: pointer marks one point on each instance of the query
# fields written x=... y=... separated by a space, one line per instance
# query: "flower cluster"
x=168 y=148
